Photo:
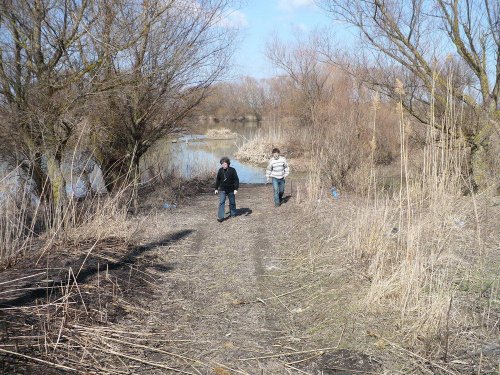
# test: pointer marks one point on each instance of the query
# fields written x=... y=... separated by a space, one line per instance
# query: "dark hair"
x=225 y=159
x=276 y=150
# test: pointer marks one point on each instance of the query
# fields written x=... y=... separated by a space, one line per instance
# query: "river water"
x=194 y=154
x=191 y=155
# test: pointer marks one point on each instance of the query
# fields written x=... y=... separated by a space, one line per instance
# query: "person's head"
x=276 y=153
x=224 y=161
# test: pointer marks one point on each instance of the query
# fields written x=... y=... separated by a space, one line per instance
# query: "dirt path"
x=218 y=296
x=194 y=296
x=272 y=291
x=225 y=302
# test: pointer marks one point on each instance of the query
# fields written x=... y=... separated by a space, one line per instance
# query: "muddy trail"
x=190 y=295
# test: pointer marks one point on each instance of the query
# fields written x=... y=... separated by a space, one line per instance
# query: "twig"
x=341 y=335
x=296 y=369
x=411 y=353
x=154 y=364
x=283 y=294
x=63 y=320
x=35 y=306
x=117 y=331
x=154 y=350
x=305 y=359
x=279 y=300
x=22 y=278
x=351 y=370
x=39 y=360
x=79 y=291
x=231 y=369
x=86 y=257
x=26 y=289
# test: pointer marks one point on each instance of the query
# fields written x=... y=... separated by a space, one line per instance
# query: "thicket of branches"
x=110 y=77
x=430 y=54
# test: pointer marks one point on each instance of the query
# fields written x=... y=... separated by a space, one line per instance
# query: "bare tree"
x=253 y=96
x=174 y=51
x=325 y=104
x=407 y=38
x=301 y=63
x=132 y=69
x=41 y=73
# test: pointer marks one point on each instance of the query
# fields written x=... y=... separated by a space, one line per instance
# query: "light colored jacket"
x=277 y=168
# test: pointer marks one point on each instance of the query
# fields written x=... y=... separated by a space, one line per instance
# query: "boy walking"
x=277 y=170
x=227 y=182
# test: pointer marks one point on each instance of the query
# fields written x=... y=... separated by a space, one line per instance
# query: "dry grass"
x=284 y=135
x=222 y=133
x=21 y=217
x=430 y=285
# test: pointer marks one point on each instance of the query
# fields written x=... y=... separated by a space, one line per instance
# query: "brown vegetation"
x=221 y=133
x=425 y=76
x=401 y=273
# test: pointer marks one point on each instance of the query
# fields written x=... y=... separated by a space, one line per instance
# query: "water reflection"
x=194 y=154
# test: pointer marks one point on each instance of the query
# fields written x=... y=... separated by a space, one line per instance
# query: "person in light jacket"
x=277 y=170
x=226 y=184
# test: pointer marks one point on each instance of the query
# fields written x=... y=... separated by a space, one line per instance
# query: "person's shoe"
x=220 y=220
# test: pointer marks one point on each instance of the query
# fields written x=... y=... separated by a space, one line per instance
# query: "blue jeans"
x=222 y=203
x=279 y=190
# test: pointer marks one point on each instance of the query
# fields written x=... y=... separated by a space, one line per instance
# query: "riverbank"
x=274 y=291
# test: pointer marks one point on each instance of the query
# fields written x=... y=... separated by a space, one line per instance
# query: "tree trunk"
x=59 y=196
x=482 y=170
x=136 y=182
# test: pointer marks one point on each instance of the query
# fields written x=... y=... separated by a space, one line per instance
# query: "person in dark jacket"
x=226 y=184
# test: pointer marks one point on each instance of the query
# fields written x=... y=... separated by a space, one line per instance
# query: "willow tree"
x=43 y=67
x=174 y=51
x=132 y=69
x=439 y=49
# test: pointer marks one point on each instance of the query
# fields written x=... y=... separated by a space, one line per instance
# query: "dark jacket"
x=227 y=180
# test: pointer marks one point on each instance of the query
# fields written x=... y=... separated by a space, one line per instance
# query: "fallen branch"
x=39 y=360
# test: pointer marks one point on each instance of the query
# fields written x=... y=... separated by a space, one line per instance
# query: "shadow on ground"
x=245 y=211
x=89 y=265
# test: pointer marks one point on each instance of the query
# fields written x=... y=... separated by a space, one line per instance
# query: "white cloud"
x=290 y=5
x=233 y=19
x=237 y=18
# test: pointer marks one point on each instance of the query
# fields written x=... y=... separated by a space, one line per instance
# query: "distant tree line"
x=440 y=60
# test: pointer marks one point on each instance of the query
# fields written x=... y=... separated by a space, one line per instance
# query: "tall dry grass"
x=258 y=149
x=19 y=219
x=411 y=242
x=26 y=219
x=419 y=246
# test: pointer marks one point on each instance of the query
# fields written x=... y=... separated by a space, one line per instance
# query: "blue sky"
x=260 y=19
